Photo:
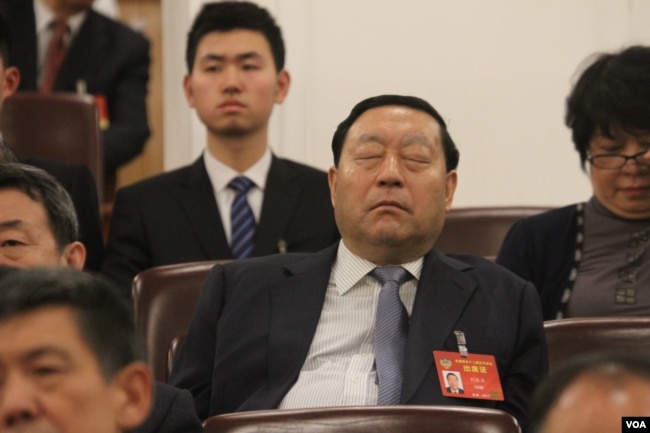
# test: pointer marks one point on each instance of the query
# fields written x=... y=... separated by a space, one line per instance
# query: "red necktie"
x=55 y=55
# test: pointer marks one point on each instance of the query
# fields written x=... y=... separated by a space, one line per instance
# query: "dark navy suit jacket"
x=255 y=320
x=172 y=412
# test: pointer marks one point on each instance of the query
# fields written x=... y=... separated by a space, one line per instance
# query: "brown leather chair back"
x=174 y=347
x=62 y=126
x=568 y=338
x=164 y=299
x=366 y=419
x=480 y=230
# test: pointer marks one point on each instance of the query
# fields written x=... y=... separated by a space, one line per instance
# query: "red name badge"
x=474 y=376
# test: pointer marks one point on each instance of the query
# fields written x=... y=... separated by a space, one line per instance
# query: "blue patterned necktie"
x=242 y=219
x=391 y=329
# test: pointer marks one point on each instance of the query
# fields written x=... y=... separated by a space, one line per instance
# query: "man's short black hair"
x=105 y=318
x=448 y=145
x=43 y=188
x=235 y=15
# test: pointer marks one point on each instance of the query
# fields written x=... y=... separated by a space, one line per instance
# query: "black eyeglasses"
x=613 y=161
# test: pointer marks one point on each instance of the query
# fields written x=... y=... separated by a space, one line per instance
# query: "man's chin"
x=233 y=132
x=392 y=240
x=392 y=231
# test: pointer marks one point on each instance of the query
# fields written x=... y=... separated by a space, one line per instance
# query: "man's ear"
x=188 y=90
x=74 y=255
x=451 y=181
x=282 y=85
x=134 y=393
x=11 y=81
x=331 y=180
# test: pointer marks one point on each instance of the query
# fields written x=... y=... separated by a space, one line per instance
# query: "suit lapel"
x=84 y=54
x=296 y=304
x=280 y=197
x=442 y=294
x=198 y=203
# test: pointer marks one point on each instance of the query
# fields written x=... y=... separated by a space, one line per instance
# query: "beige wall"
x=145 y=16
x=497 y=70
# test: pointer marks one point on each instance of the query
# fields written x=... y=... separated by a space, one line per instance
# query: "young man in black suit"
x=109 y=58
x=235 y=60
x=289 y=331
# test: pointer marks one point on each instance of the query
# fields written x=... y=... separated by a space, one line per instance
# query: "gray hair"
x=42 y=187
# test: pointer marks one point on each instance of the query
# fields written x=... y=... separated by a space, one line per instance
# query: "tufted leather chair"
x=60 y=126
x=480 y=230
x=164 y=299
x=568 y=338
x=366 y=419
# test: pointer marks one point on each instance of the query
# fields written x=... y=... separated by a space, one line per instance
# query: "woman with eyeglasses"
x=590 y=259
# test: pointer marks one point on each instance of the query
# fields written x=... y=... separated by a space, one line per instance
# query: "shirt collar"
x=44 y=17
x=220 y=174
x=350 y=268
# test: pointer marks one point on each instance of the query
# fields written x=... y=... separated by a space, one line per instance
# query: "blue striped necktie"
x=391 y=329
x=242 y=219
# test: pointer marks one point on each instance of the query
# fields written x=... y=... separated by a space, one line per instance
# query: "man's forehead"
x=15 y=193
x=59 y=320
x=405 y=140
x=398 y=114
x=384 y=123
x=235 y=41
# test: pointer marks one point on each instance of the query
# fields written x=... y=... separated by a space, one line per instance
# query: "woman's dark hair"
x=612 y=92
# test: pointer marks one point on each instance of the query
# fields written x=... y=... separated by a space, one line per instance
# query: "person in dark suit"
x=109 y=58
x=235 y=61
x=38 y=228
x=75 y=178
x=172 y=412
x=453 y=382
x=86 y=376
x=296 y=330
